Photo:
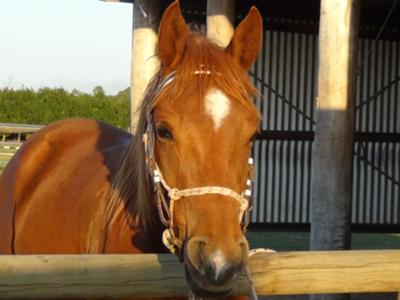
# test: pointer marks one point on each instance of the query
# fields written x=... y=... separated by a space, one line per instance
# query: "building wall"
x=286 y=76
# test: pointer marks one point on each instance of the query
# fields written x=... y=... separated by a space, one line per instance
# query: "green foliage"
x=48 y=105
x=99 y=92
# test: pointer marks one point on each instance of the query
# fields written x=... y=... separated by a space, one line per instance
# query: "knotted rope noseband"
x=163 y=189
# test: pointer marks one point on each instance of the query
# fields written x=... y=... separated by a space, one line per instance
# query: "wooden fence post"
x=333 y=147
x=145 y=63
x=220 y=18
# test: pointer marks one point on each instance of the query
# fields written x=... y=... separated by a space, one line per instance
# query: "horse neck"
x=121 y=225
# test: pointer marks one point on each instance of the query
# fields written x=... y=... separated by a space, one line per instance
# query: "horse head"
x=201 y=125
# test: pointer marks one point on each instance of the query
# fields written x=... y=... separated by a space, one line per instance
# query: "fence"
x=151 y=275
x=16 y=131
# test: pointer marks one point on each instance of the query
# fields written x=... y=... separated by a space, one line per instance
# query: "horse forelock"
x=204 y=64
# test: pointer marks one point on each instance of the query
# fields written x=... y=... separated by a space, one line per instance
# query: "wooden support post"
x=220 y=18
x=145 y=63
x=333 y=147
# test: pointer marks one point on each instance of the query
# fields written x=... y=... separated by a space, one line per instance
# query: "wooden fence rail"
x=48 y=276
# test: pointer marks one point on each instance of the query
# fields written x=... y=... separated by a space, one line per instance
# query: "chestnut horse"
x=82 y=186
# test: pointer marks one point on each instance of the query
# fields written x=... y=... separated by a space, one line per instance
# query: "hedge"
x=47 y=105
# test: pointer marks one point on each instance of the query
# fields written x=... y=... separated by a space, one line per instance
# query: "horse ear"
x=172 y=36
x=246 y=40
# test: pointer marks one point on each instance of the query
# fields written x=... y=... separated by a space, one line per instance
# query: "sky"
x=72 y=44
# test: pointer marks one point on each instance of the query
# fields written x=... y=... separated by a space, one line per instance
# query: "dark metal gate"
x=286 y=76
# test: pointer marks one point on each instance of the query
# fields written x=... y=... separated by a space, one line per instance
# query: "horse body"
x=81 y=186
x=60 y=213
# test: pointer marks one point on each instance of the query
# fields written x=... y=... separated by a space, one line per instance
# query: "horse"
x=179 y=184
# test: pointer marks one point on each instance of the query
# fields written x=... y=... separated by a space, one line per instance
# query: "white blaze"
x=219 y=263
x=217 y=106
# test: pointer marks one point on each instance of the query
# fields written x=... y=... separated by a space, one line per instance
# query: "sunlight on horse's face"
x=206 y=148
x=203 y=138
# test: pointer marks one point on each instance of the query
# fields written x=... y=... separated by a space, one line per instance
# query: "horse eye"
x=164 y=133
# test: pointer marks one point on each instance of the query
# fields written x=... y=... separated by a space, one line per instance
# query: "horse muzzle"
x=211 y=273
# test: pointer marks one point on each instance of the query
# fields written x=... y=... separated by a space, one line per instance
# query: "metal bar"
x=303 y=39
x=359 y=118
x=300 y=199
x=279 y=113
x=275 y=126
x=387 y=64
x=379 y=124
x=288 y=161
x=293 y=106
x=295 y=173
x=378 y=137
x=398 y=188
x=283 y=135
x=374 y=123
x=313 y=99
x=367 y=200
x=396 y=94
x=373 y=167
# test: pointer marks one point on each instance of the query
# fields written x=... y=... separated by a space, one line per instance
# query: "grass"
x=3 y=162
x=5 y=156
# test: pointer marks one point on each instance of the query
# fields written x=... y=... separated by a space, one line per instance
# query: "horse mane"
x=204 y=64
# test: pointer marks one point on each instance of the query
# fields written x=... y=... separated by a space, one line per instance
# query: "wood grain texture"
x=334 y=131
x=28 y=276
x=220 y=15
x=145 y=62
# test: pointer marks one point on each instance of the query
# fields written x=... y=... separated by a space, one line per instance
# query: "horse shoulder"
x=62 y=177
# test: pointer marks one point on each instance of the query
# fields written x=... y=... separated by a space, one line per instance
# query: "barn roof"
x=301 y=15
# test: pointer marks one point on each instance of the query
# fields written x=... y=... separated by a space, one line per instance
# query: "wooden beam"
x=220 y=17
x=334 y=135
x=145 y=62
x=151 y=275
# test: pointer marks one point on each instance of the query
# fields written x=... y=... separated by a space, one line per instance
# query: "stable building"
x=294 y=89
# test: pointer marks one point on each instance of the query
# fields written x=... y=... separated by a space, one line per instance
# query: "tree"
x=99 y=92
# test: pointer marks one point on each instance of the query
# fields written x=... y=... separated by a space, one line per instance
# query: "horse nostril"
x=194 y=249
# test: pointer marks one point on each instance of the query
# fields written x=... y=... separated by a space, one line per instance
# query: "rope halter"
x=162 y=189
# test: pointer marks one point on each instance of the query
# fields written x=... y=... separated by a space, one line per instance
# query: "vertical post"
x=333 y=146
x=145 y=63
x=220 y=18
